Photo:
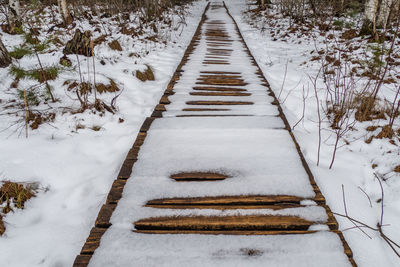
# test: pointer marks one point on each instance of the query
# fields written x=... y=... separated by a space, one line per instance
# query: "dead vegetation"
x=14 y=196
x=44 y=33
x=146 y=75
x=355 y=66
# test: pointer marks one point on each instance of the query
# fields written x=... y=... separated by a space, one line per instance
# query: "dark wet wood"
x=116 y=190
x=81 y=260
x=218 y=89
x=217 y=103
x=206 y=109
x=93 y=241
x=103 y=219
x=198 y=176
x=146 y=124
x=224 y=223
x=220 y=94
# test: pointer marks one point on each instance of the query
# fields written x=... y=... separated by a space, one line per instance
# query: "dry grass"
x=13 y=196
x=387 y=132
x=367 y=110
x=147 y=75
x=397 y=169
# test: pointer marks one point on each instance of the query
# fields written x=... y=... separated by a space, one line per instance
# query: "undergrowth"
x=14 y=196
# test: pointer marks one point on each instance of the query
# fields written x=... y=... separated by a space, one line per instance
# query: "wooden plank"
x=133 y=153
x=216 y=115
x=218 y=89
x=164 y=100
x=206 y=109
x=82 y=260
x=223 y=82
x=125 y=171
x=224 y=223
x=116 y=190
x=226 y=207
x=222 y=232
x=220 y=72
x=157 y=114
x=160 y=107
x=215 y=63
x=229 y=200
x=103 y=219
x=220 y=76
x=198 y=176
x=2 y=227
x=93 y=241
x=146 y=124
x=140 y=139
x=227 y=103
x=220 y=94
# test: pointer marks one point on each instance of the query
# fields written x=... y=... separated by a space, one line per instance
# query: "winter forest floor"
x=71 y=157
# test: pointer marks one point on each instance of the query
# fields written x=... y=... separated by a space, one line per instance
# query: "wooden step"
x=225 y=223
x=198 y=176
x=216 y=63
x=206 y=109
x=218 y=89
x=220 y=94
x=216 y=115
x=219 y=76
x=93 y=241
x=222 y=82
x=225 y=232
x=82 y=260
x=228 y=202
x=227 y=103
x=220 y=72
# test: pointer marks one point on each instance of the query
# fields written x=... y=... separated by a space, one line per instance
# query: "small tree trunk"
x=5 y=58
x=383 y=14
x=370 y=14
x=14 y=14
x=64 y=11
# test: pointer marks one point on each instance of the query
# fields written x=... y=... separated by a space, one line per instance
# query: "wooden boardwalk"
x=216 y=163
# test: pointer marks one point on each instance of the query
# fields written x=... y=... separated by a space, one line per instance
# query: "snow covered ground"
x=77 y=165
x=353 y=165
x=255 y=151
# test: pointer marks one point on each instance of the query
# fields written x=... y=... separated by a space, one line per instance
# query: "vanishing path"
x=219 y=179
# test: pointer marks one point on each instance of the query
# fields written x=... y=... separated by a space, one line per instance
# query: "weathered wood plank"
x=224 y=223
x=226 y=103
x=198 y=176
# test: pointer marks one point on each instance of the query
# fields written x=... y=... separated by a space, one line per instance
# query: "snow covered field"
x=76 y=165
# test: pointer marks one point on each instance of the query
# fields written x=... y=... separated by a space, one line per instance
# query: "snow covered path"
x=214 y=177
